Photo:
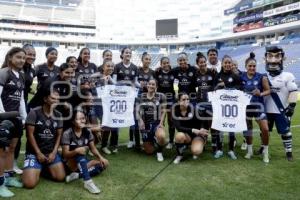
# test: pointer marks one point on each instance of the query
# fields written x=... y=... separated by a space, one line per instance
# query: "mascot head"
x=274 y=58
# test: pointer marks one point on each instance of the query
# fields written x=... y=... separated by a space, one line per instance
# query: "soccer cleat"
x=13 y=182
x=248 y=155
x=160 y=157
x=259 y=151
x=5 y=192
x=244 y=146
x=169 y=146
x=232 y=155
x=195 y=157
x=289 y=156
x=218 y=154
x=91 y=187
x=130 y=144
x=266 y=157
x=106 y=150
x=177 y=159
x=115 y=150
x=16 y=169
x=71 y=177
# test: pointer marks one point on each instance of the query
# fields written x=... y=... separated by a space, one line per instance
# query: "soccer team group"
x=62 y=120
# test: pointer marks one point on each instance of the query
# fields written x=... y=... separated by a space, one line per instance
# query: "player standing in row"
x=205 y=79
x=227 y=79
x=127 y=74
x=257 y=85
x=43 y=130
x=165 y=81
x=185 y=74
x=85 y=68
x=213 y=62
x=145 y=73
x=100 y=79
x=12 y=84
x=280 y=105
x=152 y=109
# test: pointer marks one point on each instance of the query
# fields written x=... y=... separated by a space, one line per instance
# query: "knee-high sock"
x=82 y=166
x=287 y=141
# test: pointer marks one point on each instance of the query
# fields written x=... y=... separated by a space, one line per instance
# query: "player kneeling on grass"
x=75 y=143
x=186 y=123
x=43 y=130
x=152 y=108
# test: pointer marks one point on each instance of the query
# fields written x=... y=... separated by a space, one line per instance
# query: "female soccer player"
x=165 y=81
x=12 y=85
x=258 y=85
x=85 y=68
x=189 y=131
x=127 y=74
x=43 y=72
x=100 y=79
x=43 y=130
x=205 y=78
x=106 y=55
x=185 y=74
x=229 y=80
x=72 y=62
x=152 y=107
x=76 y=141
x=145 y=73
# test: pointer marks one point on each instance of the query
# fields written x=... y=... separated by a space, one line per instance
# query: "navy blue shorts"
x=31 y=162
x=256 y=111
x=148 y=135
x=281 y=122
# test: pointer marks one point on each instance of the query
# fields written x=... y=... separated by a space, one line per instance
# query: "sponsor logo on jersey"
x=117 y=93
x=226 y=97
x=230 y=79
x=11 y=83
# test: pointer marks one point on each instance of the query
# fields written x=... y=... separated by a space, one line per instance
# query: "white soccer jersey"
x=282 y=84
x=229 y=110
x=218 y=66
x=118 y=104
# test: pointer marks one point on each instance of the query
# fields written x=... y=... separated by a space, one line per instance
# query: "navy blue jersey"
x=151 y=108
x=250 y=84
x=205 y=84
x=43 y=73
x=230 y=79
x=186 y=79
x=165 y=81
x=12 y=89
x=29 y=74
x=69 y=138
x=45 y=130
x=84 y=72
x=145 y=77
x=125 y=74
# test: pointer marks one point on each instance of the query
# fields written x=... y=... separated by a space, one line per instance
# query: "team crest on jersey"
x=93 y=71
x=172 y=77
x=160 y=76
x=133 y=73
x=55 y=124
x=19 y=84
x=191 y=74
x=209 y=78
x=48 y=122
x=230 y=79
